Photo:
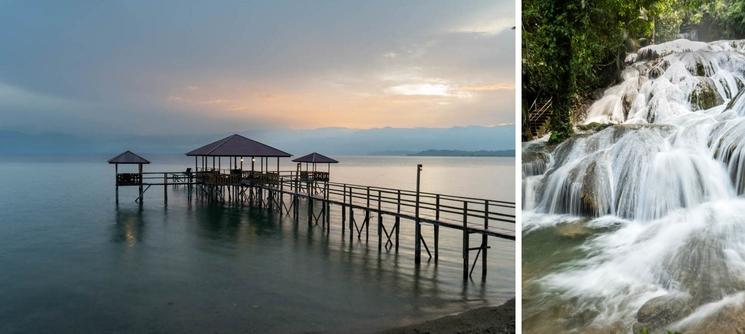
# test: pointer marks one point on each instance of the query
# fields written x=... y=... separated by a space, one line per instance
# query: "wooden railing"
x=493 y=217
x=306 y=176
x=490 y=216
x=128 y=179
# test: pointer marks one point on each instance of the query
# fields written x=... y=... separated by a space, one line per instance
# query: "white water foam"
x=670 y=171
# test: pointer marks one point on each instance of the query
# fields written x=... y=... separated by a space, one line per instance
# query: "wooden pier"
x=360 y=206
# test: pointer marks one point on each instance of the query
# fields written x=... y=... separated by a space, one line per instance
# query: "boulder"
x=589 y=197
x=658 y=313
x=731 y=319
x=705 y=95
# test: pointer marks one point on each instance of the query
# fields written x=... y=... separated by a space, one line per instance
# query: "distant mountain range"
x=461 y=153
x=340 y=141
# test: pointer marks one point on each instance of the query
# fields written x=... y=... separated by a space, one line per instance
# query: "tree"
x=571 y=47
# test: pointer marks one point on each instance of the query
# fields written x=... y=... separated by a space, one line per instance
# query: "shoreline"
x=490 y=319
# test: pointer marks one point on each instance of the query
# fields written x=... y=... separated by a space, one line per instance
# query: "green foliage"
x=668 y=16
x=573 y=47
x=716 y=19
x=728 y=16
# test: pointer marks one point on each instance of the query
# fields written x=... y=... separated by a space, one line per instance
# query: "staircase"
x=538 y=117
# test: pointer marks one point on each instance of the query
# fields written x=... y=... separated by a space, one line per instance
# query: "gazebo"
x=234 y=149
x=128 y=179
x=312 y=160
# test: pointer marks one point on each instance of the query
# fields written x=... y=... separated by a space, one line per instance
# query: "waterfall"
x=660 y=185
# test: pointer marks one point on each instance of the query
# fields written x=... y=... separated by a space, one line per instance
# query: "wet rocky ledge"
x=491 y=320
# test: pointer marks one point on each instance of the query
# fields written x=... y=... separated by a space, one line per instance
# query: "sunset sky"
x=144 y=67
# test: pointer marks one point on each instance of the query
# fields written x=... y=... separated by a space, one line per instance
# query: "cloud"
x=446 y=90
x=491 y=26
x=425 y=89
x=390 y=55
x=489 y=87
x=493 y=19
x=16 y=97
x=193 y=66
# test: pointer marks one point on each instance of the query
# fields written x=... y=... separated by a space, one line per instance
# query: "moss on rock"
x=705 y=95
x=594 y=126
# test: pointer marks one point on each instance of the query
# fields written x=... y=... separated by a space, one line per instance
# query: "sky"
x=199 y=67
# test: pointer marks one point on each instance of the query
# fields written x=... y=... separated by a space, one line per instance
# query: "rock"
x=702 y=269
x=663 y=49
x=630 y=59
x=535 y=162
x=729 y=320
x=577 y=229
x=593 y=127
x=734 y=100
x=700 y=70
x=494 y=320
x=705 y=95
x=628 y=100
x=658 y=313
x=589 y=201
x=657 y=68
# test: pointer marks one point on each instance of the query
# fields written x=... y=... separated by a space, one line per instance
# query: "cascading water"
x=641 y=225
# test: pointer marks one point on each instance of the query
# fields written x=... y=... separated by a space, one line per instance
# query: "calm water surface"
x=72 y=262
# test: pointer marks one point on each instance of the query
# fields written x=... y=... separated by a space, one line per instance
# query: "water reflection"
x=73 y=259
x=129 y=227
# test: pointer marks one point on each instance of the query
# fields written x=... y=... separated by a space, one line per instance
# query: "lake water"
x=72 y=262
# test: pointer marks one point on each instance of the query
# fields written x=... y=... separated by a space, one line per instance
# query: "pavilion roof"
x=127 y=157
x=238 y=146
x=316 y=158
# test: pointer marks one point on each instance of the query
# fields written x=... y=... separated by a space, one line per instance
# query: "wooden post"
x=297 y=191
x=437 y=227
x=398 y=217
x=418 y=227
x=367 y=217
x=270 y=197
x=344 y=210
x=191 y=175
x=351 y=214
x=116 y=182
x=165 y=188
x=380 y=225
x=465 y=240
x=310 y=209
x=484 y=240
x=327 y=208
x=141 y=192
x=281 y=197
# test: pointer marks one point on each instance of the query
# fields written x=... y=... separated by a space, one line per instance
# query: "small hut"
x=208 y=160
x=128 y=158
x=128 y=179
x=311 y=161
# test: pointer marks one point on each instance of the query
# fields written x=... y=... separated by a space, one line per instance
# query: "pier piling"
x=267 y=189
x=418 y=227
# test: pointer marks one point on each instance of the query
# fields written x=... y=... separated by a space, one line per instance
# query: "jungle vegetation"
x=573 y=47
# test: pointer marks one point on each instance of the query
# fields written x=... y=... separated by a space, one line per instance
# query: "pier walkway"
x=360 y=206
